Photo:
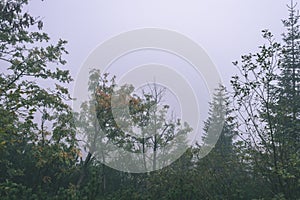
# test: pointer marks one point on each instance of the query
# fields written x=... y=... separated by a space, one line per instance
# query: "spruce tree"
x=287 y=106
x=219 y=166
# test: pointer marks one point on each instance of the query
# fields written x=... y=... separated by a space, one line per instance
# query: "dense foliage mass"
x=43 y=155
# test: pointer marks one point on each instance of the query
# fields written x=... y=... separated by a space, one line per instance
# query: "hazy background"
x=225 y=29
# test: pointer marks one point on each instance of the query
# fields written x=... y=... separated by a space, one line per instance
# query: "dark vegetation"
x=256 y=156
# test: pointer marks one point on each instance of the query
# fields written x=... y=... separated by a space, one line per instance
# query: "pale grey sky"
x=225 y=29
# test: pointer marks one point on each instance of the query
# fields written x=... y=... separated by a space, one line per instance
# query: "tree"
x=220 y=170
x=159 y=133
x=267 y=100
x=219 y=115
x=135 y=123
x=286 y=109
x=290 y=60
x=37 y=134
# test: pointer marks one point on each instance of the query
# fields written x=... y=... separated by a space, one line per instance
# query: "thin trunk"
x=154 y=152
x=83 y=170
x=144 y=150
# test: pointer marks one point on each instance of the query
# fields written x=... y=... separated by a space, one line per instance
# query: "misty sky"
x=225 y=29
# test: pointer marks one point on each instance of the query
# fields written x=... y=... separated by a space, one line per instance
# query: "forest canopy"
x=257 y=155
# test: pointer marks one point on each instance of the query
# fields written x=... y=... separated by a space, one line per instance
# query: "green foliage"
x=105 y=119
x=37 y=135
x=267 y=99
x=256 y=155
